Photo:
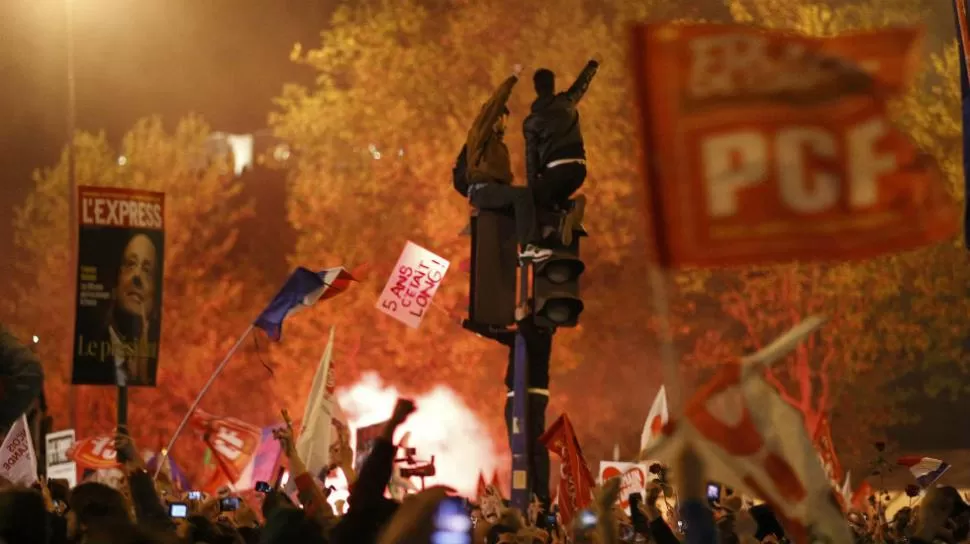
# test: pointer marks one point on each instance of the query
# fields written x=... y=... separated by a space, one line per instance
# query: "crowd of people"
x=146 y=510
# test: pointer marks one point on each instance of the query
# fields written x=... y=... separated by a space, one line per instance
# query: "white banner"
x=59 y=465
x=412 y=285
x=18 y=463
x=634 y=478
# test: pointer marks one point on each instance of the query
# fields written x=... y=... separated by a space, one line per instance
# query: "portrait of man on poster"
x=123 y=347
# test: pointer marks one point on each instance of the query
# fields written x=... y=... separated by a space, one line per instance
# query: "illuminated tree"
x=203 y=308
x=396 y=88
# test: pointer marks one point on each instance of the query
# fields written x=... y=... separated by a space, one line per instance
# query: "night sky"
x=224 y=59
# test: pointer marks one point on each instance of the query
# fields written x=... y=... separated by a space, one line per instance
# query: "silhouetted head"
x=544 y=81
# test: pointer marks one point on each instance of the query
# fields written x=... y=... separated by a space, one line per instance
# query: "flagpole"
x=198 y=398
x=668 y=354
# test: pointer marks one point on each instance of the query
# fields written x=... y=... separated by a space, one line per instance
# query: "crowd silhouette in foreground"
x=142 y=511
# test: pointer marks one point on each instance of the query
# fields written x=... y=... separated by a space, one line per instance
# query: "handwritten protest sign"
x=17 y=460
x=412 y=285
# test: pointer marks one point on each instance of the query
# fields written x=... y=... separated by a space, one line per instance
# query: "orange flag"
x=764 y=146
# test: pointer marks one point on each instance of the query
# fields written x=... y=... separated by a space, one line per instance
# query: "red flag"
x=861 y=496
x=233 y=442
x=787 y=152
x=482 y=486
x=576 y=483
x=97 y=452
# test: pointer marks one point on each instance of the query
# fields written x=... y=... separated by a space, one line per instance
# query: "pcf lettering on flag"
x=796 y=160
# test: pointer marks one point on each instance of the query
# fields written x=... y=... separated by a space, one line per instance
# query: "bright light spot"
x=36 y=339
x=122 y=160
x=281 y=153
x=377 y=155
x=443 y=426
x=400 y=152
x=284 y=479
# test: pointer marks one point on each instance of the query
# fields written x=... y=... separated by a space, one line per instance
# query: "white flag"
x=17 y=460
x=313 y=444
x=750 y=439
x=656 y=419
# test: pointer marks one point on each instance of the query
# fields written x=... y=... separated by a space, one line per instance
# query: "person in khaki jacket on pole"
x=489 y=171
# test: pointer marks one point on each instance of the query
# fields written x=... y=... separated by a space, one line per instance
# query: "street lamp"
x=71 y=179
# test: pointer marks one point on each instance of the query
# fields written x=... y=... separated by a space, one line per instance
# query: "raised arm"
x=489 y=115
x=581 y=85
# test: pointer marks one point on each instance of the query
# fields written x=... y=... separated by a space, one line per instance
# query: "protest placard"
x=633 y=479
x=59 y=465
x=119 y=286
x=413 y=283
x=18 y=462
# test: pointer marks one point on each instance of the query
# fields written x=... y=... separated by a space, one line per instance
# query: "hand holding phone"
x=452 y=522
x=713 y=493
x=178 y=510
x=228 y=504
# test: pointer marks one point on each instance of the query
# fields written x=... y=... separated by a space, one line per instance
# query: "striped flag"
x=302 y=289
x=963 y=39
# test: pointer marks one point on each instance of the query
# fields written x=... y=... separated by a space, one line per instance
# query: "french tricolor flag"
x=926 y=470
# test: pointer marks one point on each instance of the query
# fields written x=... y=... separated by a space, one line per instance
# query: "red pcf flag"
x=95 y=453
x=576 y=482
x=232 y=442
x=767 y=146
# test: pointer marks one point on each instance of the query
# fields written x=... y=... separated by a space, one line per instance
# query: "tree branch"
x=772 y=379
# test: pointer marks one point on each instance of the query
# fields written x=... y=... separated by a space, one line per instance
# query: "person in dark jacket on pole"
x=21 y=379
x=555 y=158
x=489 y=171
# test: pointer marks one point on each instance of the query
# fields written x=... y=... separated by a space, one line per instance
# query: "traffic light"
x=493 y=269
x=555 y=286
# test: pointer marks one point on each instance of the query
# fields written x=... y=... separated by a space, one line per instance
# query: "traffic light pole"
x=520 y=403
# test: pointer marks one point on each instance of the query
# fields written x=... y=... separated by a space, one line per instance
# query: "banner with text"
x=59 y=465
x=121 y=240
x=412 y=285
x=764 y=146
x=18 y=463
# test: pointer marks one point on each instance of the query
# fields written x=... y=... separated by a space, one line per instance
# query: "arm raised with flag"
x=302 y=289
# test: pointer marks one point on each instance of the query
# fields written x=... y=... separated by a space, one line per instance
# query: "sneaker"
x=573 y=219
x=533 y=252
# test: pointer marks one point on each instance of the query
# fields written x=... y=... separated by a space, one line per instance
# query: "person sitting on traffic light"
x=555 y=158
x=489 y=171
